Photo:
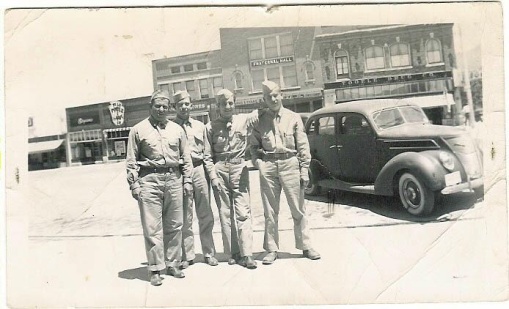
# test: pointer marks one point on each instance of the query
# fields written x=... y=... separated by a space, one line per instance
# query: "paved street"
x=85 y=248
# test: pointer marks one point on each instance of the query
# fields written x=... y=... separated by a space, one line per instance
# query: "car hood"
x=419 y=130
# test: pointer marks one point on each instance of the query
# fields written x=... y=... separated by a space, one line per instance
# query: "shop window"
x=188 y=67
x=175 y=70
x=204 y=88
x=201 y=66
x=317 y=104
x=341 y=58
x=400 y=55
x=375 y=58
x=433 y=51
x=362 y=92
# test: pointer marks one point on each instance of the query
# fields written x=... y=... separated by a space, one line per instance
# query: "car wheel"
x=415 y=196
x=312 y=188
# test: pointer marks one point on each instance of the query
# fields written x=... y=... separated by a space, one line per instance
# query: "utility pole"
x=466 y=81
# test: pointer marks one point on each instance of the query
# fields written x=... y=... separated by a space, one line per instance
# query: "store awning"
x=44 y=146
x=429 y=101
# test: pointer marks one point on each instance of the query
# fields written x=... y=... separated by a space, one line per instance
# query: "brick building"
x=200 y=74
x=283 y=55
x=392 y=61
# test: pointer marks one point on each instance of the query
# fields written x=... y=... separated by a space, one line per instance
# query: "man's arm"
x=208 y=156
x=256 y=146
x=131 y=162
x=302 y=145
x=185 y=157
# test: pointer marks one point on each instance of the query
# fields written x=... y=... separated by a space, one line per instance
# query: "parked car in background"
x=388 y=147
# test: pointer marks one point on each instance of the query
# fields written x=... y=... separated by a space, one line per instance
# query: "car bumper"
x=465 y=186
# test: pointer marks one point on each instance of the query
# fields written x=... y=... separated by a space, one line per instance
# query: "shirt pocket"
x=173 y=143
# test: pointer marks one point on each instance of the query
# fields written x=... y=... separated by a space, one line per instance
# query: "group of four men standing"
x=172 y=165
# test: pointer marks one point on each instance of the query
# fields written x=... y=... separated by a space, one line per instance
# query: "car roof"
x=362 y=106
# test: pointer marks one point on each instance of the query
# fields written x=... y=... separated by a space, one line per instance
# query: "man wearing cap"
x=230 y=178
x=280 y=150
x=200 y=152
x=159 y=172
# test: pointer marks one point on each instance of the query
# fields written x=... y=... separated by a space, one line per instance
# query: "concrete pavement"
x=94 y=256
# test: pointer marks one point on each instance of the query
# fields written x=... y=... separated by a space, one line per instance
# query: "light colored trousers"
x=234 y=208
x=274 y=176
x=201 y=201
x=160 y=203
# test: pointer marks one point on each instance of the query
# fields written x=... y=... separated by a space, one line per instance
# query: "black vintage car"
x=388 y=147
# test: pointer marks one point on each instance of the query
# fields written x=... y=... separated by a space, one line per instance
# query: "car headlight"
x=447 y=160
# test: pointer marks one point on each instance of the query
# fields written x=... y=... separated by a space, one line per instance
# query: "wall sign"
x=257 y=63
x=117 y=112
x=387 y=79
x=85 y=119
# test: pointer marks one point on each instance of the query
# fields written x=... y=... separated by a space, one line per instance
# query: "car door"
x=356 y=142
x=322 y=140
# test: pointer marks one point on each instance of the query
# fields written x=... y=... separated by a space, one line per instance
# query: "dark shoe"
x=269 y=258
x=311 y=254
x=186 y=264
x=248 y=262
x=175 y=272
x=155 y=278
x=212 y=261
x=234 y=259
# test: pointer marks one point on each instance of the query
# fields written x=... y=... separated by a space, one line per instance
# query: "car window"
x=312 y=128
x=354 y=125
x=326 y=125
x=388 y=118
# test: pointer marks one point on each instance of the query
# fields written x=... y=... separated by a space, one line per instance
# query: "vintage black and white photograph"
x=263 y=155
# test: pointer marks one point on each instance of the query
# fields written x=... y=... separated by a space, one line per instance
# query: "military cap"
x=180 y=95
x=163 y=94
x=223 y=94
x=268 y=86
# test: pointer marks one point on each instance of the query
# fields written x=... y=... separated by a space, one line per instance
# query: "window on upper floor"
x=191 y=89
x=271 y=47
x=204 y=88
x=374 y=58
x=310 y=71
x=201 y=66
x=342 y=67
x=218 y=84
x=188 y=67
x=177 y=86
x=433 y=51
x=237 y=79
x=165 y=87
x=175 y=70
x=400 y=55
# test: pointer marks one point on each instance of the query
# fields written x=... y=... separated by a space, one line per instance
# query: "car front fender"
x=423 y=165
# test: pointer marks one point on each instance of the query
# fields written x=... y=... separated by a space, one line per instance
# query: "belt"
x=278 y=156
x=232 y=160
x=159 y=170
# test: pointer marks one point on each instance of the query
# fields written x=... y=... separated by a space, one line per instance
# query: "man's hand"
x=136 y=193
x=304 y=181
x=257 y=163
x=216 y=185
x=188 y=189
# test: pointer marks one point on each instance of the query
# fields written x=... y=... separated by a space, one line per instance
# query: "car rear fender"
x=422 y=164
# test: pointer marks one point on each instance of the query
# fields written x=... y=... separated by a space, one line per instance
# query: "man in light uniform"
x=280 y=150
x=230 y=178
x=200 y=152
x=158 y=163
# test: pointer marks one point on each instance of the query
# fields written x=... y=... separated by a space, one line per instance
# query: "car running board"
x=346 y=186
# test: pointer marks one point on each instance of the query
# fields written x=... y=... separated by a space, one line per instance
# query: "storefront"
x=300 y=101
x=45 y=154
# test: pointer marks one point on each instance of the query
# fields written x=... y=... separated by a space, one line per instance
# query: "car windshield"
x=399 y=115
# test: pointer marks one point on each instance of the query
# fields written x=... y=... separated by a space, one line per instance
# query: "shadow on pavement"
x=280 y=255
x=140 y=273
x=447 y=207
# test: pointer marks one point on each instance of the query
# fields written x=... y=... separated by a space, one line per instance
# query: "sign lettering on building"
x=257 y=63
x=84 y=119
x=117 y=112
x=387 y=79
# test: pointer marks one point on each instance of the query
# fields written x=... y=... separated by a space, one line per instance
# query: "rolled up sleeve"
x=303 y=152
x=131 y=160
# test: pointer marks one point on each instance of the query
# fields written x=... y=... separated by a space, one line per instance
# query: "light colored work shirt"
x=155 y=145
x=281 y=132
x=197 y=139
